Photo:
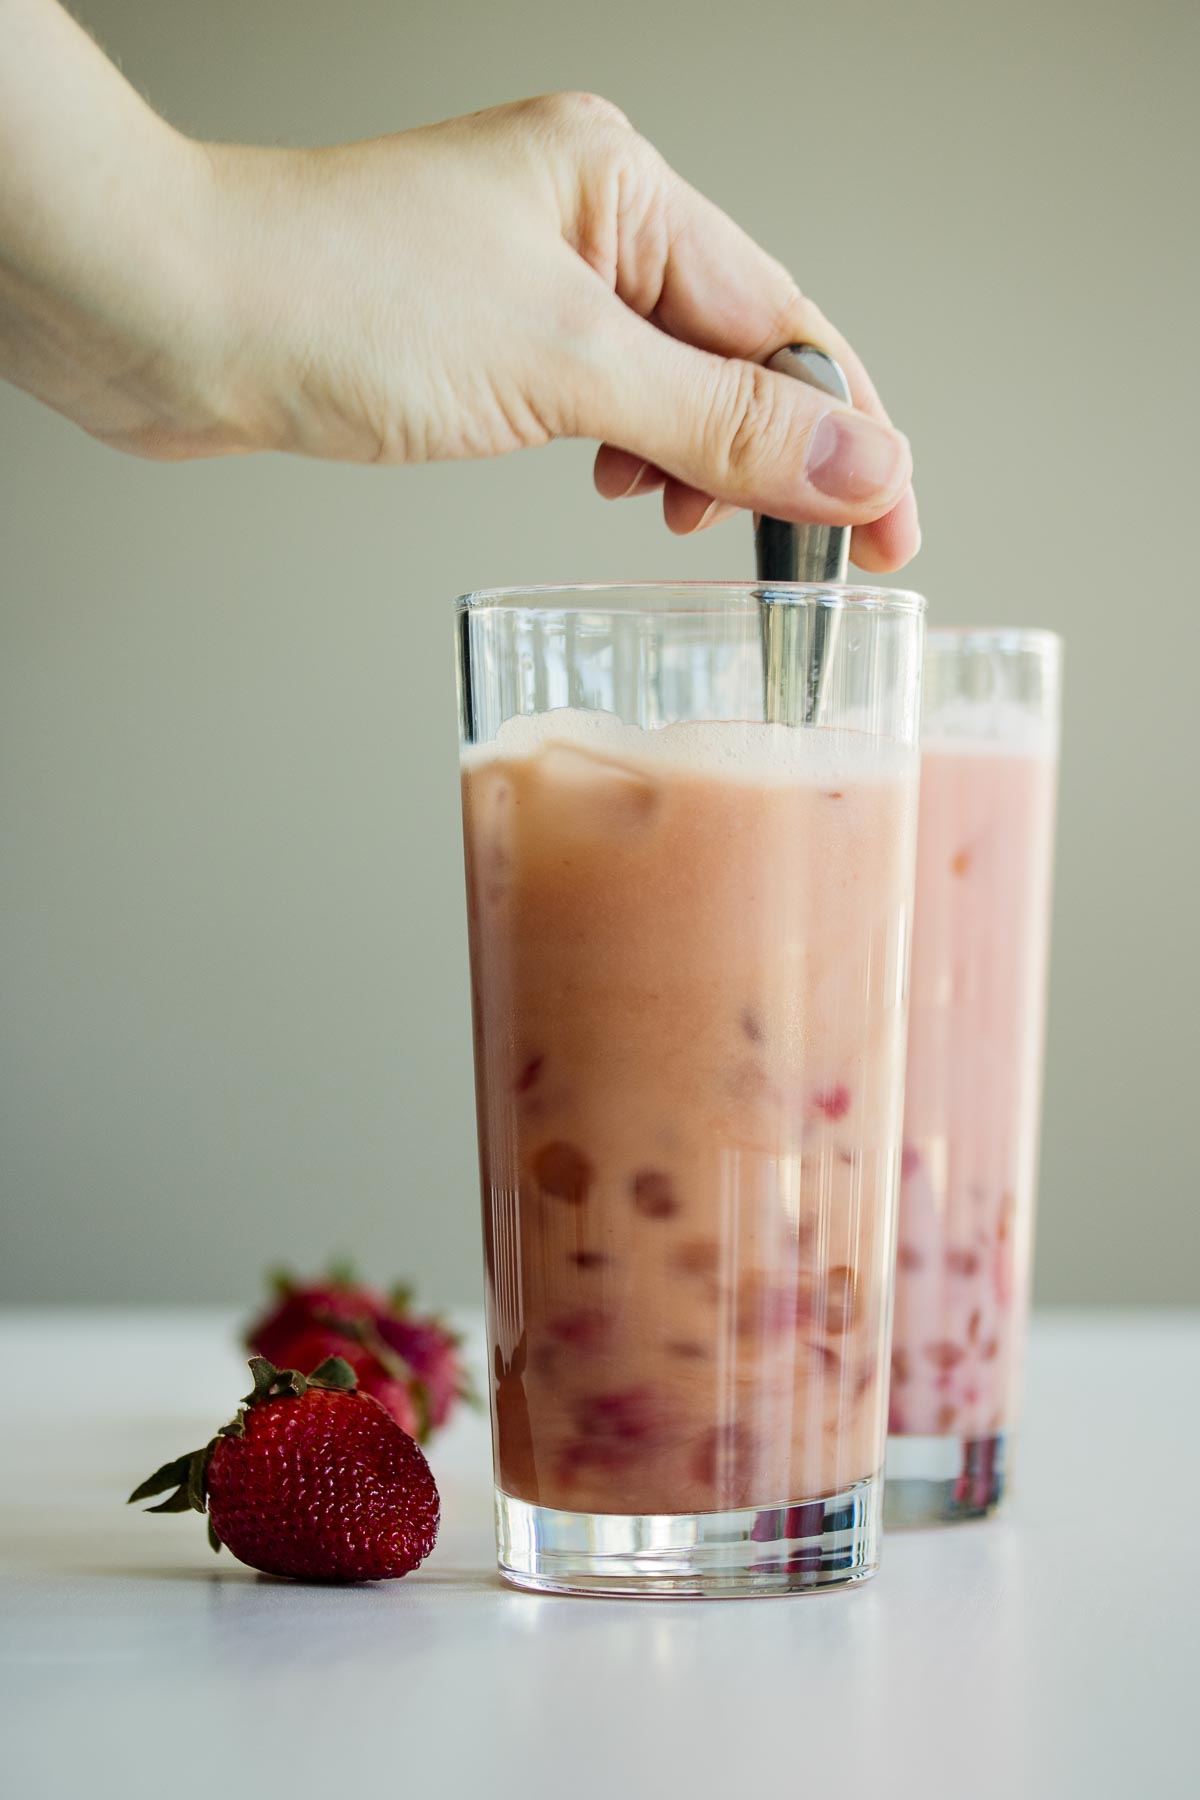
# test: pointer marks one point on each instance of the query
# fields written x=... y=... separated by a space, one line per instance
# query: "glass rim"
x=556 y=596
x=1010 y=640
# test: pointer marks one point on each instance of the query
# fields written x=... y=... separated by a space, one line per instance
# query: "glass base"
x=797 y=1548
x=938 y=1480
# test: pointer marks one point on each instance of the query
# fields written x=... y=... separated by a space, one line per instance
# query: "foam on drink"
x=739 y=749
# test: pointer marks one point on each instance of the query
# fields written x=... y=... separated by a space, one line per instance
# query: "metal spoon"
x=800 y=637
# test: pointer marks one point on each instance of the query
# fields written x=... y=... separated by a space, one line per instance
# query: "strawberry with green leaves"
x=312 y=1479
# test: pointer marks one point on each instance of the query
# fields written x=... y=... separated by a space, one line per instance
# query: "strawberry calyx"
x=185 y=1480
x=340 y=1272
x=271 y=1383
x=401 y=1297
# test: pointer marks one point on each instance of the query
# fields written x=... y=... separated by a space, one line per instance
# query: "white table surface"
x=1052 y=1652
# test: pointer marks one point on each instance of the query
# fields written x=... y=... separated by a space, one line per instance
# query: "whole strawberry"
x=312 y=1479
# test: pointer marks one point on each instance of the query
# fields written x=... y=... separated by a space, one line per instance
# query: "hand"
x=462 y=290
x=532 y=272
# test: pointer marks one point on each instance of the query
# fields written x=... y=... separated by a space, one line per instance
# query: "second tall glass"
x=980 y=949
x=689 y=820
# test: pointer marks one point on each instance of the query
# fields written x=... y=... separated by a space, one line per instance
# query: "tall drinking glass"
x=980 y=945
x=689 y=819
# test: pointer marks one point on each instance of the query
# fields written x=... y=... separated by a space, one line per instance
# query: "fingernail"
x=707 y=516
x=852 y=458
x=639 y=474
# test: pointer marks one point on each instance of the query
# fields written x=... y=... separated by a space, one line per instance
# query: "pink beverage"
x=688 y=951
x=980 y=946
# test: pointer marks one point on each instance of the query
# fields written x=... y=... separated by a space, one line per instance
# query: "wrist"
x=241 y=246
x=180 y=309
x=181 y=317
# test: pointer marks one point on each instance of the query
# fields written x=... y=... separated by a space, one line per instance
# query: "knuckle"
x=594 y=109
x=751 y=428
x=795 y=320
x=584 y=112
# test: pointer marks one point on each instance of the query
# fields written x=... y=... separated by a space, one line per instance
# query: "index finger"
x=707 y=282
x=685 y=265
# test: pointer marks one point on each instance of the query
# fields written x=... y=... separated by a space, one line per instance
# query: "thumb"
x=744 y=434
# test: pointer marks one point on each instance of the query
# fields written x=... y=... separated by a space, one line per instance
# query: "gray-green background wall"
x=233 y=1013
